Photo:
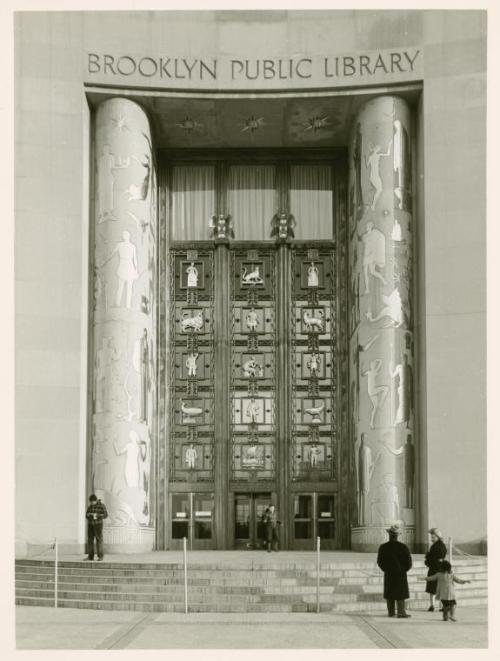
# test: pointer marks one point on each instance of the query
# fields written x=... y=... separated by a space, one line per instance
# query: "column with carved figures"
x=124 y=322
x=381 y=363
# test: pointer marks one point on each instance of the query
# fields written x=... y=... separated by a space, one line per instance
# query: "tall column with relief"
x=124 y=321
x=382 y=425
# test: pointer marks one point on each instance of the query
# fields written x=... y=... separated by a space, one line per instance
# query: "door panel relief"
x=253 y=365
x=313 y=371
x=191 y=365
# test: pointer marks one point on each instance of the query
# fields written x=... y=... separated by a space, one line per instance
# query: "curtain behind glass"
x=251 y=200
x=311 y=201
x=193 y=202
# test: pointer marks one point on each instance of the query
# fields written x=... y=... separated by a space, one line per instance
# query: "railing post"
x=450 y=549
x=184 y=540
x=318 y=550
x=56 y=572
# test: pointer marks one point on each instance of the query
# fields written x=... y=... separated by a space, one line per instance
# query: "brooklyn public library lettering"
x=242 y=69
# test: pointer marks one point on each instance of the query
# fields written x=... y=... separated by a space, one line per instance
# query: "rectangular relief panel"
x=191 y=362
x=253 y=373
x=313 y=365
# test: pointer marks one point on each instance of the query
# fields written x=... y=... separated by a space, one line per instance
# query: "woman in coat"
x=433 y=558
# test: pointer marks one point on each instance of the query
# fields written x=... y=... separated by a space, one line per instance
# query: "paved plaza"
x=40 y=628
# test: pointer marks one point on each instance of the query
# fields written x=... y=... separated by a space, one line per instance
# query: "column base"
x=120 y=539
x=369 y=538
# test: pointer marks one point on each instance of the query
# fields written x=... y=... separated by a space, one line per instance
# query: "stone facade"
x=67 y=411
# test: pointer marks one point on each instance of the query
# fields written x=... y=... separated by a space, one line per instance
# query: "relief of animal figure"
x=313 y=323
x=194 y=322
x=252 y=278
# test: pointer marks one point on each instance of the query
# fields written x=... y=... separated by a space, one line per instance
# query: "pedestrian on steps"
x=96 y=513
x=394 y=560
x=443 y=579
x=433 y=558
x=271 y=522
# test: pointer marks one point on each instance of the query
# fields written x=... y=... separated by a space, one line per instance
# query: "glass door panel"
x=303 y=522
x=249 y=531
x=326 y=520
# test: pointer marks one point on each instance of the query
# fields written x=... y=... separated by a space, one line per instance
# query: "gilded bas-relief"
x=381 y=374
x=124 y=369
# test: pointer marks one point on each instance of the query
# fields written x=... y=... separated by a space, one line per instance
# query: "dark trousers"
x=94 y=532
x=272 y=541
x=400 y=605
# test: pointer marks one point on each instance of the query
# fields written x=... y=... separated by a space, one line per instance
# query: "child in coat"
x=445 y=589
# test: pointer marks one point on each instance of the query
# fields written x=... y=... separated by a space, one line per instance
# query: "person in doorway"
x=271 y=522
x=445 y=590
x=433 y=559
x=394 y=560
x=96 y=513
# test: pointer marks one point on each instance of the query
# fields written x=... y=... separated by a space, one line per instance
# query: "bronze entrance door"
x=253 y=375
x=248 y=527
x=252 y=370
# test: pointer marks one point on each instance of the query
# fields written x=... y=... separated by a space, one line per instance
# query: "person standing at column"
x=433 y=558
x=395 y=561
x=96 y=513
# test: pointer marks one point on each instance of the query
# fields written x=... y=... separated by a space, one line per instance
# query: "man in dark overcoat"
x=394 y=560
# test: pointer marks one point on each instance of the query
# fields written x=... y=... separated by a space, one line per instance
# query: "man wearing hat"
x=394 y=560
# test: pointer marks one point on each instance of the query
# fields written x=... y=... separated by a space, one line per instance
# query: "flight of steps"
x=344 y=587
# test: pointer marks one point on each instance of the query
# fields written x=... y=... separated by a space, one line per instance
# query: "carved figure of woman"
x=192 y=276
x=132 y=451
x=127 y=271
x=312 y=275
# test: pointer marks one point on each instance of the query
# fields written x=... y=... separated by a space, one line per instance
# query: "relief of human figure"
x=252 y=320
x=251 y=368
x=392 y=308
x=404 y=373
x=357 y=151
x=106 y=182
x=192 y=276
x=101 y=478
x=314 y=455
x=312 y=275
x=105 y=356
x=144 y=474
x=373 y=163
x=313 y=364
x=385 y=503
x=132 y=451
x=376 y=393
x=365 y=465
x=401 y=163
x=140 y=192
x=191 y=364
x=191 y=456
x=407 y=451
x=143 y=365
x=373 y=254
x=360 y=348
x=127 y=271
x=253 y=411
x=396 y=233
